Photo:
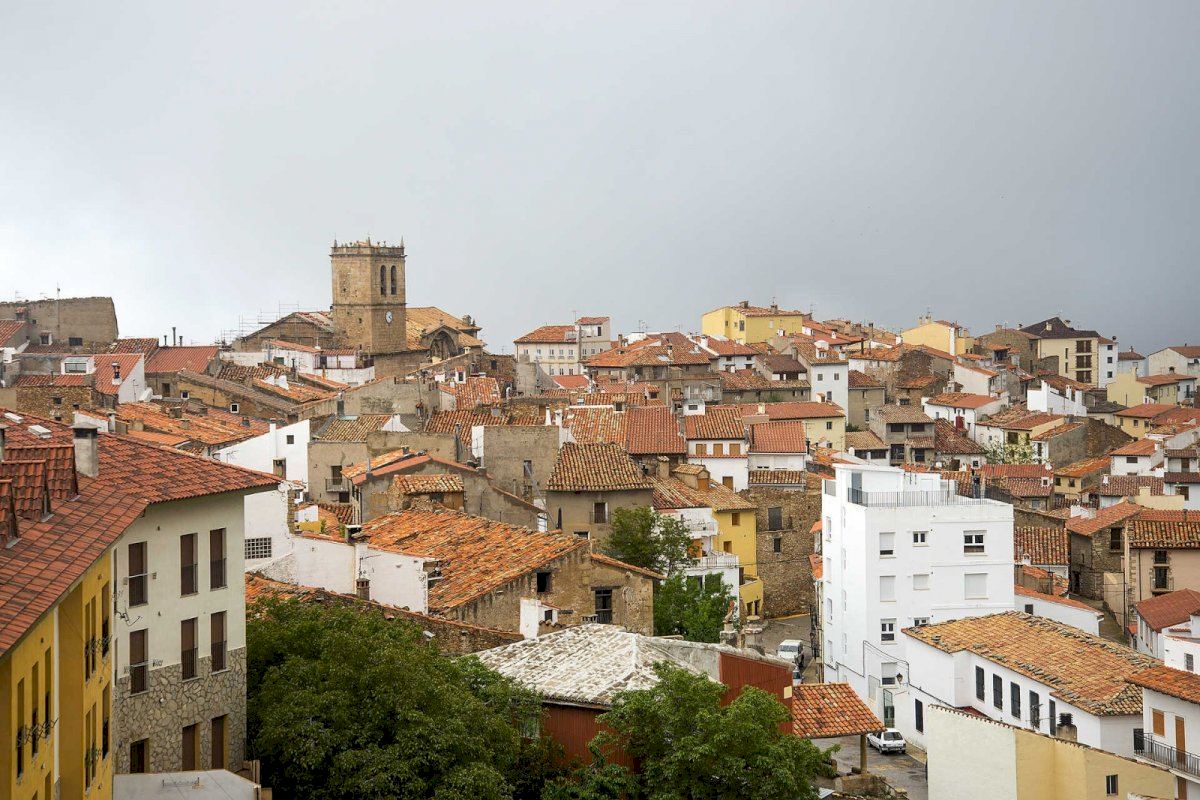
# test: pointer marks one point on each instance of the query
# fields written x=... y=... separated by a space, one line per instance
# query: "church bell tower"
x=368 y=296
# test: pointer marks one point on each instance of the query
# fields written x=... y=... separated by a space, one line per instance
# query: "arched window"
x=382 y=279
x=393 y=278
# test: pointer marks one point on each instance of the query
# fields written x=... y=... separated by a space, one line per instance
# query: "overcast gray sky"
x=996 y=162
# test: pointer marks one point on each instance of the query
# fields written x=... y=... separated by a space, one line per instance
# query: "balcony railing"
x=335 y=484
x=940 y=497
x=1161 y=753
x=716 y=561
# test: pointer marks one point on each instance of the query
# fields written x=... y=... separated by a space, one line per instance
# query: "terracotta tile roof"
x=902 y=414
x=445 y=421
x=215 y=426
x=1181 y=477
x=1055 y=328
x=1183 y=452
x=294 y=390
x=653 y=430
x=1129 y=485
x=145 y=346
x=745 y=380
x=862 y=440
x=1027 y=487
x=1105 y=518
x=1086 y=671
x=1164 y=529
x=609 y=561
x=649 y=356
x=173 y=359
x=321 y=382
x=962 y=400
x=726 y=347
x=717 y=422
x=1145 y=411
x=917 y=382
x=826 y=710
x=777 y=362
x=572 y=381
x=1040 y=545
x=1053 y=598
x=1057 y=430
x=950 y=441
x=1129 y=355
x=815 y=564
x=1057 y=583
x=352 y=429
x=595 y=467
x=1014 y=470
x=475 y=555
x=1164 y=380
x=103 y=376
x=427 y=483
x=161 y=439
x=420 y=320
x=777 y=477
x=1138 y=447
x=338 y=513
x=9 y=328
x=595 y=424
x=1081 y=469
x=860 y=380
x=59 y=460
x=28 y=486
x=1019 y=419
x=26 y=380
x=785 y=436
x=1170 y=681
x=474 y=391
x=550 y=334
x=673 y=494
x=1169 y=609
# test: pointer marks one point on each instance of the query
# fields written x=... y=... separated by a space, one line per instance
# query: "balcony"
x=714 y=561
x=1159 y=752
x=940 y=497
x=338 y=484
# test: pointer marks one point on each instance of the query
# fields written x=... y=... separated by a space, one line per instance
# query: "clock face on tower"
x=388 y=318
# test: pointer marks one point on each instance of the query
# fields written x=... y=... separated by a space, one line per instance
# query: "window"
x=258 y=547
x=216 y=626
x=1052 y=720
x=187 y=564
x=998 y=692
x=973 y=542
x=582 y=534
x=139 y=666
x=1035 y=710
x=1110 y=785
x=216 y=555
x=1014 y=700
x=1131 y=459
x=137 y=574
x=382 y=279
x=20 y=724
x=543 y=582
x=1114 y=540
x=393 y=289
x=887 y=588
x=1029 y=608
x=887 y=544
x=290 y=439
x=887 y=630
x=920 y=622
x=919 y=716
x=975 y=585
x=920 y=581
x=599 y=512
x=829 y=425
x=718 y=449
x=191 y=748
x=735 y=448
x=920 y=538
x=233 y=408
x=604 y=606
x=138 y=752
x=187 y=648
x=735 y=518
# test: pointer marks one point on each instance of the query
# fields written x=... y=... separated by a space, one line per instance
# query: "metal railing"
x=716 y=561
x=188 y=660
x=335 y=484
x=216 y=573
x=1153 y=750
x=940 y=497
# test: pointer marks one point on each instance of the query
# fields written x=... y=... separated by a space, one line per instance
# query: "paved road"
x=900 y=770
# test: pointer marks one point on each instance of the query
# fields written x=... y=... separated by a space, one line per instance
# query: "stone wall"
x=1092 y=557
x=170 y=704
x=572 y=511
x=506 y=448
x=90 y=319
x=786 y=574
x=55 y=402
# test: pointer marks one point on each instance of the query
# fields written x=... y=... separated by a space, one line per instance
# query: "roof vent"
x=40 y=431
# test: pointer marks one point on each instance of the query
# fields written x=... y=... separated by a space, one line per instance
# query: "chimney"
x=174 y=340
x=116 y=378
x=3 y=428
x=1066 y=728
x=87 y=456
x=664 y=467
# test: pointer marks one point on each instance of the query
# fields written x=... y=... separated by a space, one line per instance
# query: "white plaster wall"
x=396 y=579
x=777 y=461
x=720 y=468
x=1084 y=619
x=261 y=452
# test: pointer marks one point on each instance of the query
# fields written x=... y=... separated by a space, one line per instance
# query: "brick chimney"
x=87 y=454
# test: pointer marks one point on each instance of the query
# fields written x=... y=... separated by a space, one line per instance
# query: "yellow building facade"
x=737 y=532
x=56 y=698
x=940 y=335
x=751 y=324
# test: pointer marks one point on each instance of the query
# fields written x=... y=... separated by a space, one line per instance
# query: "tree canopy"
x=343 y=703
x=646 y=539
x=696 y=611
x=690 y=747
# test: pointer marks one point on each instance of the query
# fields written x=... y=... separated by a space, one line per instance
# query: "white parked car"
x=889 y=740
x=788 y=649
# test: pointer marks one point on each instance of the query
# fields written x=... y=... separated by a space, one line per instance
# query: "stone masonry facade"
x=160 y=713
x=784 y=542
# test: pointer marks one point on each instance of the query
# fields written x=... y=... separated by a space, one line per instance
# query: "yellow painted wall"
x=733 y=324
x=1126 y=390
x=1050 y=769
x=815 y=430
x=17 y=677
x=1066 y=351
x=737 y=534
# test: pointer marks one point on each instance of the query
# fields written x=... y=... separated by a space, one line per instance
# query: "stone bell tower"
x=368 y=296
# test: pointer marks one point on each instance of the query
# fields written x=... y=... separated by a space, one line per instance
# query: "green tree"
x=1008 y=453
x=694 y=611
x=646 y=539
x=343 y=703
x=690 y=747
